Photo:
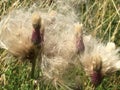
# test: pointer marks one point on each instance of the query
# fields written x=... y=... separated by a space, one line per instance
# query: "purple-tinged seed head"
x=36 y=23
x=80 y=44
x=79 y=38
x=96 y=74
x=96 y=78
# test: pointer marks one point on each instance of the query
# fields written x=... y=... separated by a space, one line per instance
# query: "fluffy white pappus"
x=54 y=67
x=59 y=36
x=12 y=28
x=59 y=44
x=110 y=46
x=97 y=54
